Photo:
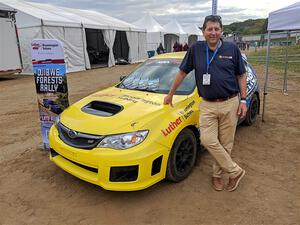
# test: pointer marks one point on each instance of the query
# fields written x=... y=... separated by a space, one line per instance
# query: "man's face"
x=212 y=32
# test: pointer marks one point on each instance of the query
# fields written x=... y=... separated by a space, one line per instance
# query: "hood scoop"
x=99 y=108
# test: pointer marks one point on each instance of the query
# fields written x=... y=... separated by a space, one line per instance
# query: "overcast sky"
x=186 y=12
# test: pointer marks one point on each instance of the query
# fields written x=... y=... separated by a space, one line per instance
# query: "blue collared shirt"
x=224 y=69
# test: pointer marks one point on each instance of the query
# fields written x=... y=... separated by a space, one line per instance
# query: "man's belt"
x=220 y=99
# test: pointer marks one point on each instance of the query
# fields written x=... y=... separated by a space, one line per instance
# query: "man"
x=221 y=82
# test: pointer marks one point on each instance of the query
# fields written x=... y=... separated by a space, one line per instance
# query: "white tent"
x=69 y=26
x=194 y=33
x=285 y=19
x=174 y=32
x=155 y=32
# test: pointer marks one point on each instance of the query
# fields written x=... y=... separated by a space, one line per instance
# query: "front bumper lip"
x=94 y=165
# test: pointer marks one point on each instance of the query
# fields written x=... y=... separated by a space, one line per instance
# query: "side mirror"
x=122 y=77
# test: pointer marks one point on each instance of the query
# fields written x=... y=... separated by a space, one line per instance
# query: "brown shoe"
x=218 y=183
x=234 y=182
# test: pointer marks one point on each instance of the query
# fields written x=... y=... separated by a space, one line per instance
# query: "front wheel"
x=182 y=156
x=252 y=111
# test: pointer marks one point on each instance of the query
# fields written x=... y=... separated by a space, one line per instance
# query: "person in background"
x=221 y=83
x=185 y=47
x=175 y=46
x=160 y=49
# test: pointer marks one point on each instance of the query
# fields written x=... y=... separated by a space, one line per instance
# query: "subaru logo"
x=72 y=134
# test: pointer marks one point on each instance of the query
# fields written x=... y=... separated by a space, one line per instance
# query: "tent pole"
x=42 y=29
x=266 y=77
x=286 y=65
x=83 y=45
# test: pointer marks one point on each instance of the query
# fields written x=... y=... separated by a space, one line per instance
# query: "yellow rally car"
x=123 y=138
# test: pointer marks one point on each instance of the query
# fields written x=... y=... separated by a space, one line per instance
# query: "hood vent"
x=99 y=108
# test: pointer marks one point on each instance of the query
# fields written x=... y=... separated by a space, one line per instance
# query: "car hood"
x=130 y=111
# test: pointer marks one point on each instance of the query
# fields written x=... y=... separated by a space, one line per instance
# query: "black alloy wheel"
x=252 y=111
x=182 y=156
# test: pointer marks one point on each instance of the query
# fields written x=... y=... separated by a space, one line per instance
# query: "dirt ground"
x=35 y=191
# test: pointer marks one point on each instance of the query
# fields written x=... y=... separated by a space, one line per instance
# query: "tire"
x=252 y=111
x=182 y=156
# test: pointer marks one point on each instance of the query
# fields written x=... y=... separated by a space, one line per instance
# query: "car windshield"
x=157 y=75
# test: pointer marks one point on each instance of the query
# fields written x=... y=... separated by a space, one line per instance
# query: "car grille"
x=77 y=139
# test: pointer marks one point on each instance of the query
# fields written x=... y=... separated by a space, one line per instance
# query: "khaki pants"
x=218 y=121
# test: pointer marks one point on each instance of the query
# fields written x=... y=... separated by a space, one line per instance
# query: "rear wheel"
x=252 y=111
x=182 y=156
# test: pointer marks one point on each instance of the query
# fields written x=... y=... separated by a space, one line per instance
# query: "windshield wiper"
x=124 y=86
x=146 y=90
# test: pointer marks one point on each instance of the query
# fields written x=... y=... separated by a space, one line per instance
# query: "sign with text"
x=49 y=70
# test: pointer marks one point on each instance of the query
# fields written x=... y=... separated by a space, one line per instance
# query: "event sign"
x=49 y=70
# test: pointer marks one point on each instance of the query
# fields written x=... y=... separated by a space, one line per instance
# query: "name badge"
x=206 y=79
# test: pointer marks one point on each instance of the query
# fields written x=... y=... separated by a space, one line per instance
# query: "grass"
x=277 y=58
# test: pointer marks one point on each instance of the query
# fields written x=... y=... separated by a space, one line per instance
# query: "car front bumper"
x=118 y=170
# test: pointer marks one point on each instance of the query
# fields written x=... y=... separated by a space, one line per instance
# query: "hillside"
x=258 y=26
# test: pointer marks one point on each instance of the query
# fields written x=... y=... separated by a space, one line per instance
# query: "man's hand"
x=168 y=100
x=178 y=79
x=242 y=111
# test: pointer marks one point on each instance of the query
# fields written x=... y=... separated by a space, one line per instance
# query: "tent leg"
x=286 y=65
x=266 y=77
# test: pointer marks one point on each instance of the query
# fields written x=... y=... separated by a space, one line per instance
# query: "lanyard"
x=208 y=62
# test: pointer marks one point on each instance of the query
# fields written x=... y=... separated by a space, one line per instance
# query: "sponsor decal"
x=172 y=126
x=187 y=111
x=189 y=106
x=128 y=98
x=251 y=80
x=188 y=114
x=35 y=46
x=225 y=57
x=185 y=114
x=138 y=99
x=103 y=95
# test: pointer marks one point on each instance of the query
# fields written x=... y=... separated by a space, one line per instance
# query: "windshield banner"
x=49 y=70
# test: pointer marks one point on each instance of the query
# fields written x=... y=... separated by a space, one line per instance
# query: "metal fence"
x=285 y=58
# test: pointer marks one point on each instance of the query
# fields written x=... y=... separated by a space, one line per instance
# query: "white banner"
x=46 y=49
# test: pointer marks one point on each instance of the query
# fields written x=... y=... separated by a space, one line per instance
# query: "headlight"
x=123 y=141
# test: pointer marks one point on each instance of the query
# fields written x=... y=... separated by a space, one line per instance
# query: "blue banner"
x=50 y=81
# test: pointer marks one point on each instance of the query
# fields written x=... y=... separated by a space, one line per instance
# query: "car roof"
x=172 y=55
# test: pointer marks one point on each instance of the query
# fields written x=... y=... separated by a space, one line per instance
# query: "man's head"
x=212 y=29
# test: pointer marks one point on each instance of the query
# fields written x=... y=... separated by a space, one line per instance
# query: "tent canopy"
x=149 y=23
x=192 y=29
x=53 y=16
x=287 y=18
x=6 y=8
x=173 y=27
x=154 y=31
x=36 y=20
